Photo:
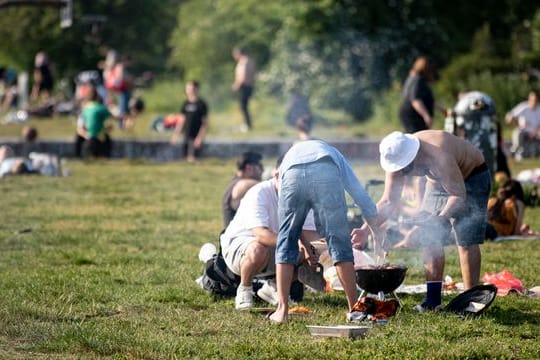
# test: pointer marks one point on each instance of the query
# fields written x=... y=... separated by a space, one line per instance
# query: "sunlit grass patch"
x=102 y=264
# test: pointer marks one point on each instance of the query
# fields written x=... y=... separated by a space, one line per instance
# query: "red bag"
x=505 y=282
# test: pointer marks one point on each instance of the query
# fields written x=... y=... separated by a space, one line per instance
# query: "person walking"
x=418 y=102
x=244 y=82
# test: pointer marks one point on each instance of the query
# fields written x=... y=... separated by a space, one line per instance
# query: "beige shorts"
x=235 y=251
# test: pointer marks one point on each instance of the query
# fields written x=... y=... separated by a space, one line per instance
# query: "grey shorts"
x=470 y=225
x=235 y=251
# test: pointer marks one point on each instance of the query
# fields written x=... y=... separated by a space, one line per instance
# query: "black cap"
x=248 y=157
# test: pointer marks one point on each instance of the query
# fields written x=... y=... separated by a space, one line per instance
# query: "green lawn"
x=101 y=264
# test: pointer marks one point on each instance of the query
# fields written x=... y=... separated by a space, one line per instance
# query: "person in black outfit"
x=416 y=110
x=194 y=122
x=43 y=77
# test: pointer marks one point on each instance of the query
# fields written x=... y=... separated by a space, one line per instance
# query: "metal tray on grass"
x=351 y=331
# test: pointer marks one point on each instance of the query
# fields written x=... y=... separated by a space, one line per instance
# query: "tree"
x=137 y=28
x=208 y=30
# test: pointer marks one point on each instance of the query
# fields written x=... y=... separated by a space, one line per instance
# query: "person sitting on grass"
x=35 y=163
x=506 y=211
x=11 y=165
x=249 y=172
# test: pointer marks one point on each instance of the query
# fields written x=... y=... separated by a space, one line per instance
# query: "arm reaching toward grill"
x=360 y=236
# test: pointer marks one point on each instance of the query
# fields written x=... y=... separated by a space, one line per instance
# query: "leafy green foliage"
x=342 y=53
x=207 y=31
x=136 y=28
x=483 y=70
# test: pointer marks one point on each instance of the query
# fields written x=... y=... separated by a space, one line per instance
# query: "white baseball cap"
x=398 y=150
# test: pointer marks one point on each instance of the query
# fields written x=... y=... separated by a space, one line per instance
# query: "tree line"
x=340 y=53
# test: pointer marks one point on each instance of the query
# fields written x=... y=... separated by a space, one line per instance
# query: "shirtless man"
x=244 y=80
x=457 y=192
x=249 y=173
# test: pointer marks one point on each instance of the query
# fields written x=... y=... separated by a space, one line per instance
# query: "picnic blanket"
x=516 y=237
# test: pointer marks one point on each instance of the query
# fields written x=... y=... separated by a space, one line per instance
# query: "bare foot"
x=278 y=317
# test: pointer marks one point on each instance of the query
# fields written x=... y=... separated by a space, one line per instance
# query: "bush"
x=333 y=74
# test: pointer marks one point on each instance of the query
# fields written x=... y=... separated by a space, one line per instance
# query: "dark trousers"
x=187 y=147
x=79 y=143
x=245 y=94
x=100 y=148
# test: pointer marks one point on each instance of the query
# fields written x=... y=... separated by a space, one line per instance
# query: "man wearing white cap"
x=457 y=191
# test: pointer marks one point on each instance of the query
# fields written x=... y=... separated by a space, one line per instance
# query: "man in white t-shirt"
x=525 y=117
x=248 y=244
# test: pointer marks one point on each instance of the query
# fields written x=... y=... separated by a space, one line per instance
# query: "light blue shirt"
x=312 y=150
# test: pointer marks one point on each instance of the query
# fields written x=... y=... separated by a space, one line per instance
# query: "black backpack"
x=218 y=279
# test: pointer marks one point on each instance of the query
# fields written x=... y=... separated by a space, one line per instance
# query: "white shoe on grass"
x=268 y=292
x=244 y=298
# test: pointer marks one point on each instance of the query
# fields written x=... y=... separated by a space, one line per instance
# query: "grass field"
x=101 y=264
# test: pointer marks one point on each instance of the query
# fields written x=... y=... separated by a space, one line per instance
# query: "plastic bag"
x=505 y=282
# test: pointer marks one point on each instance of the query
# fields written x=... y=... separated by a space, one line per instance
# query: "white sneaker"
x=356 y=316
x=199 y=282
x=244 y=298
x=207 y=251
x=423 y=308
x=268 y=292
x=244 y=128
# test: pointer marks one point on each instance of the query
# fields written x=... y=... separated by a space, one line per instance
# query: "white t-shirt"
x=7 y=164
x=258 y=208
x=528 y=119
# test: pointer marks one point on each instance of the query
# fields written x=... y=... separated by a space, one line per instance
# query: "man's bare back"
x=440 y=149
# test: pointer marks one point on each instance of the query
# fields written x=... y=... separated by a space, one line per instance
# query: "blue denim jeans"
x=123 y=102
x=316 y=185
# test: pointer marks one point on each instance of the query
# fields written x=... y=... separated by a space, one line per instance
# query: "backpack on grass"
x=217 y=278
